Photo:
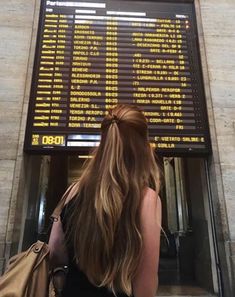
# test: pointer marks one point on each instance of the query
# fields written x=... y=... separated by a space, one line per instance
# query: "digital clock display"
x=48 y=140
x=93 y=55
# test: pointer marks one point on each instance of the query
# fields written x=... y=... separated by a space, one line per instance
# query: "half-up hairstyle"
x=105 y=222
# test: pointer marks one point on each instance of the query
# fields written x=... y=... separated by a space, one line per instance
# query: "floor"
x=183 y=291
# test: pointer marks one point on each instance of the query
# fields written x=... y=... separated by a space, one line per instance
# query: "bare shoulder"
x=151 y=205
x=151 y=198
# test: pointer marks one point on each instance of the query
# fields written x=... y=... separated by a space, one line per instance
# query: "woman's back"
x=112 y=228
x=77 y=283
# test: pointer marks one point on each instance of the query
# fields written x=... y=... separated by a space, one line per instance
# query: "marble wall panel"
x=10 y=117
x=218 y=21
x=223 y=93
x=227 y=151
x=229 y=181
x=220 y=56
x=17 y=13
x=16 y=27
x=6 y=178
x=218 y=16
x=225 y=118
x=14 y=46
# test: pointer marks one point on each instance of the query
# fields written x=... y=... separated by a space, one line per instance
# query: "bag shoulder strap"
x=68 y=195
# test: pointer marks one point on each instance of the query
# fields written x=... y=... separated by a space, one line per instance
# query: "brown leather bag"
x=27 y=273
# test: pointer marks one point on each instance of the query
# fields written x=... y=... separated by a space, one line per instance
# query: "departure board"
x=91 y=56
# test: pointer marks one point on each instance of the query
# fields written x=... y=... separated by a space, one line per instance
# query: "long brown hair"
x=105 y=222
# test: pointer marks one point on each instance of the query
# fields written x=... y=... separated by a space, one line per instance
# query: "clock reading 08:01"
x=55 y=140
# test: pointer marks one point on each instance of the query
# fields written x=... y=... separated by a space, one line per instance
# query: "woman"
x=109 y=233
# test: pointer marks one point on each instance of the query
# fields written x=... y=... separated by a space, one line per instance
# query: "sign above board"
x=93 y=55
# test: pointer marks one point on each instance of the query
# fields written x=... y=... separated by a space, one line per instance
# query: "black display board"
x=92 y=55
